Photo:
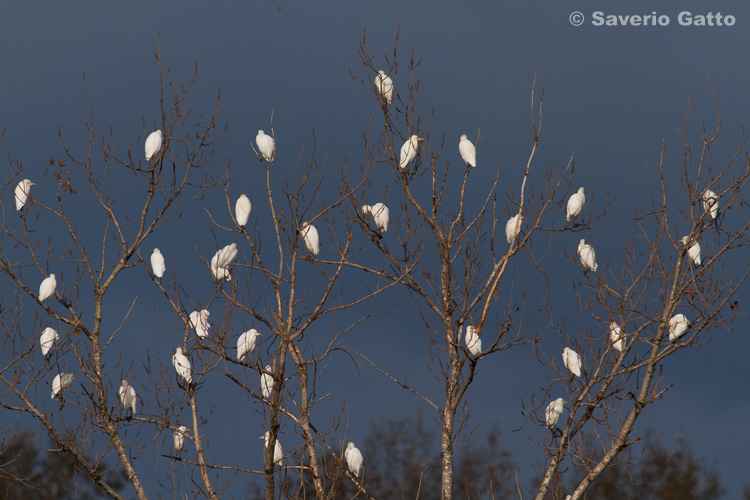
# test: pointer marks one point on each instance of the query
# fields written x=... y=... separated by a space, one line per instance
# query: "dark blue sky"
x=612 y=94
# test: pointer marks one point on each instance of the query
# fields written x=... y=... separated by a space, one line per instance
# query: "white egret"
x=572 y=361
x=199 y=322
x=513 y=227
x=409 y=150
x=353 y=458
x=575 y=204
x=384 y=84
x=61 y=382
x=587 y=255
x=22 y=192
x=128 y=397
x=678 y=325
x=242 y=210
x=182 y=365
x=310 y=235
x=221 y=260
x=153 y=144
x=473 y=341
x=710 y=203
x=266 y=383
x=278 y=454
x=157 y=263
x=616 y=336
x=553 y=412
x=47 y=288
x=266 y=145
x=467 y=150
x=380 y=214
x=47 y=340
x=694 y=251
x=178 y=439
x=246 y=343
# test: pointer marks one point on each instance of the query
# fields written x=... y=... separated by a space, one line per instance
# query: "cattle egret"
x=694 y=252
x=572 y=361
x=553 y=412
x=182 y=365
x=278 y=454
x=47 y=340
x=153 y=144
x=353 y=458
x=61 y=382
x=468 y=151
x=246 y=343
x=22 y=192
x=678 y=325
x=575 y=204
x=380 y=214
x=178 y=439
x=199 y=322
x=513 y=227
x=242 y=210
x=157 y=263
x=310 y=235
x=266 y=145
x=409 y=151
x=47 y=288
x=616 y=336
x=587 y=255
x=266 y=383
x=221 y=260
x=473 y=341
x=128 y=397
x=384 y=84
x=710 y=203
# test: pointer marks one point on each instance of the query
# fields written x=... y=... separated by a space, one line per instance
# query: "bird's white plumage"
x=178 y=439
x=473 y=341
x=22 y=192
x=678 y=325
x=575 y=204
x=587 y=255
x=266 y=383
x=266 y=145
x=513 y=227
x=153 y=144
x=221 y=261
x=616 y=336
x=409 y=151
x=278 y=454
x=182 y=365
x=467 y=150
x=128 y=397
x=572 y=361
x=694 y=251
x=61 y=382
x=47 y=287
x=380 y=214
x=199 y=322
x=157 y=263
x=310 y=236
x=710 y=203
x=553 y=412
x=48 y=339
x=353 y=458
x=242 y=210
x=246 y=343
x=384 y=84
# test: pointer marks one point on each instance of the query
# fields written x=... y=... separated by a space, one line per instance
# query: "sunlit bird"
x=694 y=251
x=128 y=397
x=278 y=454
x=409 y=150
x=221 y=261
x=678 y=325
x=199 y=322
x=47 y=288
x=572 y=361
x=47 y=340
x=384 y=84
x=310 y=236
x=710 y=203
x=22 y=192
x=467 y=150
x=153 y=144
x=353 y=458
x=178 y=439
x=473 y=341
x=242 y=210
x=513 y=227
x=616 y=336
x=157 y=263
x=553 y=412
x=246 y=343
x=182 y=365
x=380 y=214
x=266 y=145
x=575 y=204
x=61 y=382
x=587 y=255
x=266 y=383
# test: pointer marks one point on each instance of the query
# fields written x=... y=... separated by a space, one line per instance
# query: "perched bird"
x=128 y=397
x=61 y=382
x=616 y=336
x=473 y=341
x=22 y=192
x=384 y=84
x=246 y=343
x=266 y=382
x=409 y=151
x=587 y=255
x=553 y=412
x=380 y=214
x=182 y=365
x=266 y=145
x=353 y=458
x=694 y=251
x=242 y=210
x=153 y=144
x=572 y=361
x=178 y=439
x=47 y=288
x=221 y=260
x=47 y=340
x=575 y=204
x=678 y=325
x=310 y=235
x=199 y=322
x=513 y=227
x=710 y=203
x=467 y=150
x=157 y=263
x=278 y=454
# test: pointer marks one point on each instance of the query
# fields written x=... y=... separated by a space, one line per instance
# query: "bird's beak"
x=420 y=138
x=32 y=183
